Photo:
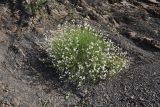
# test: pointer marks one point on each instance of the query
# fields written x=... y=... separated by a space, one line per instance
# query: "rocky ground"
x=26 y=80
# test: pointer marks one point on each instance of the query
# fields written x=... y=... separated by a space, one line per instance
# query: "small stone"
x=154 y=1
x=17 y=101
x=63 y=14
x=13 y=28
x=132 y=97
x=132 y=34
x=39 y=30
x=144 y=5
x=3 y=36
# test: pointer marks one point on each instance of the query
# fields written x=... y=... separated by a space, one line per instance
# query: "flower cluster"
x=84 y=55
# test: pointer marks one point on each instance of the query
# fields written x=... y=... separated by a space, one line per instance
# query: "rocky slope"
x=27 y=81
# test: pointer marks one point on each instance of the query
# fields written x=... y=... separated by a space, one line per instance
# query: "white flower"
x=68 y=56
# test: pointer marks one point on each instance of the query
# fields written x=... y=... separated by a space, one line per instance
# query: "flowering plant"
x=84 y=55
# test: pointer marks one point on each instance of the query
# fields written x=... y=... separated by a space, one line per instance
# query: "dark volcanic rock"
x=28 y=80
